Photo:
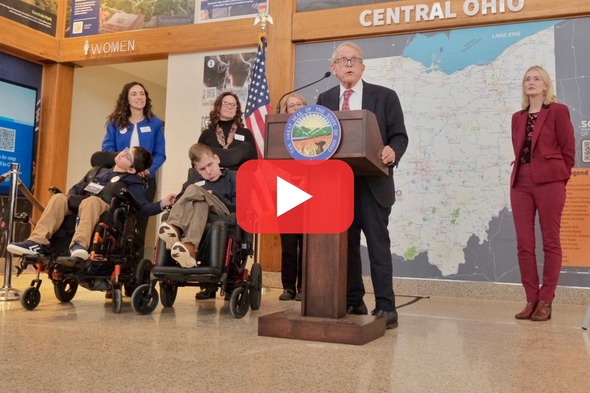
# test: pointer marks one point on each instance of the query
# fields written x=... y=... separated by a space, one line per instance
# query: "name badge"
x=145 y=129
x=239 y=137
x=93 y=188
x=200 y=183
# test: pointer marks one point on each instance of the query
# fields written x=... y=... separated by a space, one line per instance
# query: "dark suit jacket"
x=223 y=188
x=553 y=145
x=384 y=103
x=103 y=176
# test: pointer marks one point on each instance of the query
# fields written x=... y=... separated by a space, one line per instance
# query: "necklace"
x=230 y=136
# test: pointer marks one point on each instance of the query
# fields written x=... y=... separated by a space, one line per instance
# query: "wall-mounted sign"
x=91 y=17
x=41 y=19
x=230 y=9
x=416 y=13
x=106 y=48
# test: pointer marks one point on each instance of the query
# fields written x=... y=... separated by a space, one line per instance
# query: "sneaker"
x=168 y=233
x=28 y=247
x=77 y=251
x=184 y=254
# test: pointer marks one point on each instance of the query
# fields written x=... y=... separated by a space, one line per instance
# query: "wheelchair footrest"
x=199 y=270
x=68 y=261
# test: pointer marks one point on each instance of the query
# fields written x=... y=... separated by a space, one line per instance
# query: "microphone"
x=326 y=75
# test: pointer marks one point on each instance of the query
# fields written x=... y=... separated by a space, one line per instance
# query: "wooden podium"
x=323 y=310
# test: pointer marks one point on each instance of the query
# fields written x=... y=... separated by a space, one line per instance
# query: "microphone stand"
x=326 y=75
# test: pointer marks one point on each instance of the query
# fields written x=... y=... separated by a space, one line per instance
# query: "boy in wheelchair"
x=211 y=195
x=89 y=199
x=202 y=221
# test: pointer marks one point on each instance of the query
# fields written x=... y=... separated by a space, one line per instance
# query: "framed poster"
x=215 y=10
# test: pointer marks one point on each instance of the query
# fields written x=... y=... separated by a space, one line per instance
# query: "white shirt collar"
x=358 y=88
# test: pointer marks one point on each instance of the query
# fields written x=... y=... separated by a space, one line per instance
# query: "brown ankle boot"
x=542 y=312
x=527 y=311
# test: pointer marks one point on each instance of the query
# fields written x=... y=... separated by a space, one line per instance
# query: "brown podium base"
x=352 y=329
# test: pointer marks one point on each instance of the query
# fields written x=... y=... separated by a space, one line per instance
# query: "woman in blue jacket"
x=132 y=123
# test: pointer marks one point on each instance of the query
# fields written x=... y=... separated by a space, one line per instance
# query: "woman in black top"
x=226 y=134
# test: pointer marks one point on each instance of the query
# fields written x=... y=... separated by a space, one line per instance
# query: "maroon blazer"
x=553 y=145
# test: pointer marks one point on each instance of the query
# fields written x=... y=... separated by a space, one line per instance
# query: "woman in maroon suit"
x=544 y=149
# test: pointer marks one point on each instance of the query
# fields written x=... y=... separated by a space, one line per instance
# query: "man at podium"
x=373 y=195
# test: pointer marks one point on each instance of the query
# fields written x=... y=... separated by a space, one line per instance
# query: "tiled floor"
x=441 y=345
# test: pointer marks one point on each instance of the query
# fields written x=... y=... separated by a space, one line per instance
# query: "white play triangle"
x=289 y=196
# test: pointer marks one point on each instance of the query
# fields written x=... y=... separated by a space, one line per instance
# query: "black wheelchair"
x=113 y=264
x=222 y=259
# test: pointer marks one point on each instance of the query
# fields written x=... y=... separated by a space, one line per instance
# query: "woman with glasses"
x=226 y=134
x=292 y=103
x=230 y=141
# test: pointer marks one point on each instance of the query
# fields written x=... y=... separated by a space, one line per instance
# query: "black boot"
x=206 y=293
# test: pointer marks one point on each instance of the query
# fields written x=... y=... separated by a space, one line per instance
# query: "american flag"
x=258 y=105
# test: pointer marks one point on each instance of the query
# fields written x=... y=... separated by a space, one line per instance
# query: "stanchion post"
x=7 y=293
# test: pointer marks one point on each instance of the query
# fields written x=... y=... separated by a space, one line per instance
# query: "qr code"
x=586 y=150
x=210 y=93
x=7 y=139
x=77 y=27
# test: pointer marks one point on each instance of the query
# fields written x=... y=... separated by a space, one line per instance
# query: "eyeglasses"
x=229 y=104
x=296 y=105
x=343 y=61
x=128 y=155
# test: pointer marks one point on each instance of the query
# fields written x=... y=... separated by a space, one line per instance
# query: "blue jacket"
x=151 y=137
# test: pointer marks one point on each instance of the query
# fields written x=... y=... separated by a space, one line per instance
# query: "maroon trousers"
x=528 y=198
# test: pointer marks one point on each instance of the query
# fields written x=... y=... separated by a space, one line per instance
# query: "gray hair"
x=349 y=44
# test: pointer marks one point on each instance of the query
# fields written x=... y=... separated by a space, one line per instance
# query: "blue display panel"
x=18 y=105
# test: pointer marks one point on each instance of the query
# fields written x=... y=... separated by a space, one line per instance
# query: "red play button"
x=288 y=196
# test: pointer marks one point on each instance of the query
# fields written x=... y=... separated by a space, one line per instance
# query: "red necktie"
x=345 y=105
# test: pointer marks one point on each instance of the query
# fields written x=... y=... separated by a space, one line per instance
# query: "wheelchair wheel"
x=142 y=301
x=117 y=300
x=255 y=286
x=239 y=302
x=65 y=290
x=30 y=298
x=142 y=276
x=168 y=294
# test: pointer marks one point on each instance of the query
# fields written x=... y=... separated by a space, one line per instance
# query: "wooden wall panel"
x=152 y=44
x=62 y=10
x=30 y=44
x=54 y=134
